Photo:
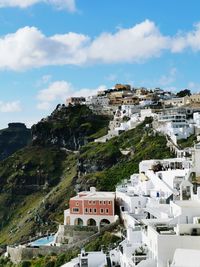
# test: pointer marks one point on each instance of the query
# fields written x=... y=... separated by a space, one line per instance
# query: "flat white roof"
x=186 y=258
x=167 y=160
x=155 y=221
x=94 y=195
x=161 y=208
x=188 y=203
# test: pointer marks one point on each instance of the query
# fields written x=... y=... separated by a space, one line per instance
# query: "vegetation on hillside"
x=34 y=183
x=189 y=142
x=37 y=181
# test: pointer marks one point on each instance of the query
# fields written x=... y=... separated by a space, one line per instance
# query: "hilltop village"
x=155 y=214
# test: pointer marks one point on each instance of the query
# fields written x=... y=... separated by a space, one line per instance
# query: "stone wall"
x=68 y=234
x=21 y=253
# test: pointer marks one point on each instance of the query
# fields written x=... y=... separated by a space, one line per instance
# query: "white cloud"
x=59 y=91
x=187 y=40
x=140 y=42
x=70 y=5
x=30 y=48
x=8 y=107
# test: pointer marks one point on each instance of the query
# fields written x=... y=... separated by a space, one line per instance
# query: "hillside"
x=13 y=138
x=37 y=181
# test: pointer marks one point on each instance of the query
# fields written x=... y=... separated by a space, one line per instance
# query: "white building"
x=97 y=100
x=176 y=126
x=100 y=105
x=196 y=159
x=160 y=212
x=196 y=118
x=128 y=110
x=186 y=258
x=120 y=124
x=146 y=113
x=88 y=259
x=177 y=101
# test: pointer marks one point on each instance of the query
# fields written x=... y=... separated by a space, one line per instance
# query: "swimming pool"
x=44 y=241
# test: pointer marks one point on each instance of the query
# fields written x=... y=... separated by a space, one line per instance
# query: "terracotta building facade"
x=91 y=208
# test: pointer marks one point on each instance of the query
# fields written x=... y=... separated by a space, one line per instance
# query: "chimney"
x=93 y=189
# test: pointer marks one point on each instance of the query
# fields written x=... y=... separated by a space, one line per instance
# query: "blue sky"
x=51 y=49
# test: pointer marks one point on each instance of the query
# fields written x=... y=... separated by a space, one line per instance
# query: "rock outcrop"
x=13 y=138
x=68 y=127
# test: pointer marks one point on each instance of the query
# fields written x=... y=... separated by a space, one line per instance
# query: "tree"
x=182 y=93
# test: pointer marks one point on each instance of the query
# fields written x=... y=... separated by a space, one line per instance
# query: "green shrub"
x=26 y=264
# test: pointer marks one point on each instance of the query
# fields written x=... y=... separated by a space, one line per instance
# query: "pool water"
x=45 y=241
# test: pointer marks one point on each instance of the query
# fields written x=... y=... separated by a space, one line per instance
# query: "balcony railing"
x=138 y=258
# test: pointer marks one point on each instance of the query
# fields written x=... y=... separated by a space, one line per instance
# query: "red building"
x=91 y=209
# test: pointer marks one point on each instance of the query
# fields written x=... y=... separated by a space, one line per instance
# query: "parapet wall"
x=20 y=253
x=68 y=234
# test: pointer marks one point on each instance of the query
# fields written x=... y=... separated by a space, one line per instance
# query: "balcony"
x=140 y=254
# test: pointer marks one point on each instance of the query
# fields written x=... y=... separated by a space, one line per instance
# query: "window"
x=84 y=262
x=101 y=211
x=90 y=202
x=95 y=210
x=109 y=202
x=100 y=202
x=107 y=211
x=77 y=203
x=90 y=210
x=75 y=210
x=104 y=203
x=94 y=202
x=86 y=210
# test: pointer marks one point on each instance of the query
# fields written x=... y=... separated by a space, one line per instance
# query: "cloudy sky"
x=52 y=49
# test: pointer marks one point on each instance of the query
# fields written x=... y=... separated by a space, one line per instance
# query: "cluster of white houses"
x=177 y=117
x=160 y=210
x=107 y=101
x=176 y=123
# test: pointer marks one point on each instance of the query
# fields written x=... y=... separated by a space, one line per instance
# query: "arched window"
x=91 y=222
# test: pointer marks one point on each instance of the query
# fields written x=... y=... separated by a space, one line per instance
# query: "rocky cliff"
x=13 y=138
x=68 y=127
